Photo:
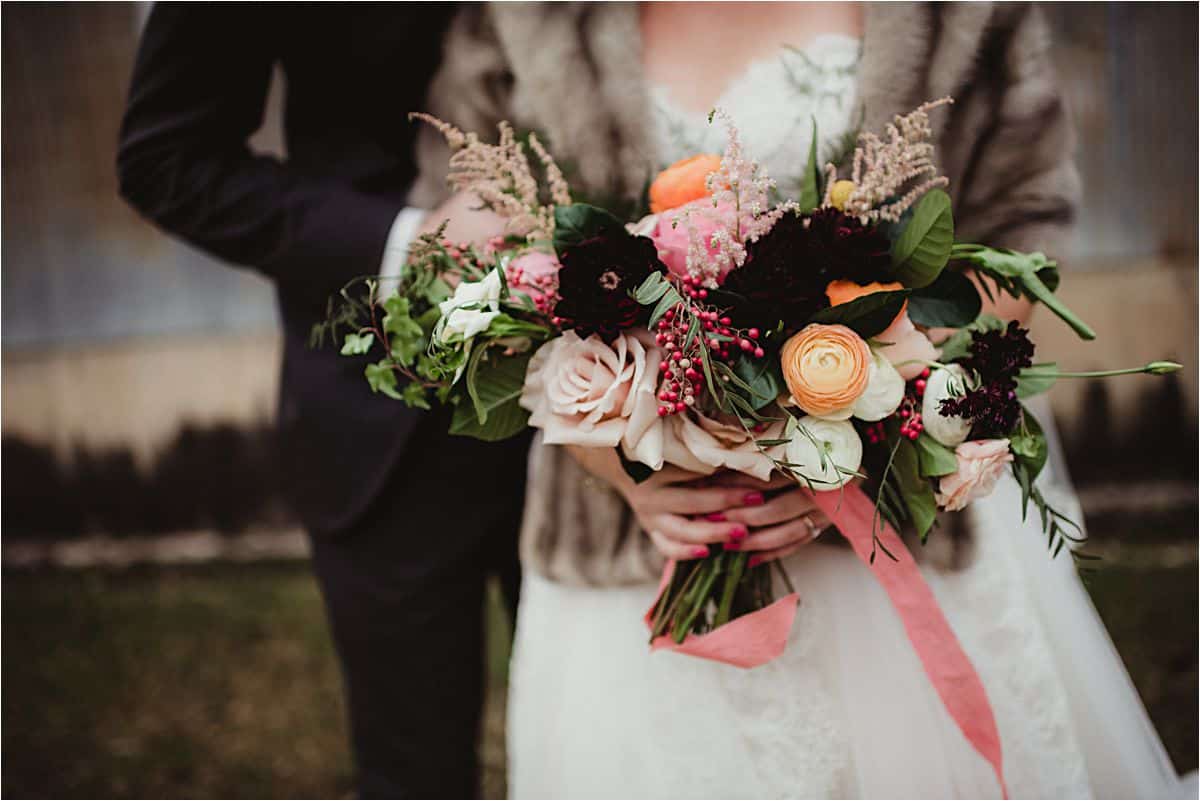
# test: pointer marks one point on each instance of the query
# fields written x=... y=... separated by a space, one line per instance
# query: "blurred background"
x=165 y=636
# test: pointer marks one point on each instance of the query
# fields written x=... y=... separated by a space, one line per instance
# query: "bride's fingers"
x=800 y=531
x=679 y=538
x=696 y=532
x=732 y=478
x=690 y=501
x=784 y=506
x=777 y=553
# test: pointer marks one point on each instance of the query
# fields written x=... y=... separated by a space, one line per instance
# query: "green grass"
x=222 y=682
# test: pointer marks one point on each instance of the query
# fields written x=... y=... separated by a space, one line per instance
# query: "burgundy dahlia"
x=996 y=357
x=597 y=282
x=788 y=268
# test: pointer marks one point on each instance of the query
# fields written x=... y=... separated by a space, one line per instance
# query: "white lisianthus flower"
x=825 y=452
x=943 y=383
x=483 y=298
x=884 y=392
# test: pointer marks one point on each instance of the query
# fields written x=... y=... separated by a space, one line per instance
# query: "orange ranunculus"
x=840 y=292
x=682 y=182
x=826 y=368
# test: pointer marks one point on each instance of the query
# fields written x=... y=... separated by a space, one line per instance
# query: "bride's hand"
x=680 y=511
x=780 y=527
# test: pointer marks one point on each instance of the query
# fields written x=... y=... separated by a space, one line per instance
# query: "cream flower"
x=586 y=392
x=885 y=390
x=908 y=347
x=824 y=452
x=459 y=323
x=980 y=464
x=946 y=382
x=703 y=445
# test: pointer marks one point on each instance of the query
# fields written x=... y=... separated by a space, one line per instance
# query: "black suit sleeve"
x=198 y=92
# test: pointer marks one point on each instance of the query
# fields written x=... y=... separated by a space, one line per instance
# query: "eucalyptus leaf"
x=653 y=288
x=923 y=247
x=952 y=301
x=668 y=301
x=868 y=315
x=760 y=377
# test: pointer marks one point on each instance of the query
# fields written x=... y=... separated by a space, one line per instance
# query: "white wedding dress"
x=847 y=711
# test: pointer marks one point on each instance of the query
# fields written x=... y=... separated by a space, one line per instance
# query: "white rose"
x=885 y=390
x=946 y=382
x=827 y=446
x=586 y=392
x=463 y=324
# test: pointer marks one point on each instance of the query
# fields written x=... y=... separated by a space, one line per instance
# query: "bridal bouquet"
x=733 y=329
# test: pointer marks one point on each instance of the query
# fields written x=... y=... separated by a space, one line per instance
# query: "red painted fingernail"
x=755 y=561
x=699 y=553
x=753 y=499
x=738 y=533
x=715 y=517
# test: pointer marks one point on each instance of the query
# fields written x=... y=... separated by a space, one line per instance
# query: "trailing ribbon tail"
x=948 y=668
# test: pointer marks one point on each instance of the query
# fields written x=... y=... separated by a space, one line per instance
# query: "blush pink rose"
x=535 y=274
x=908 y=344
x=980 y=464
x=671 y=233
x=587 y=392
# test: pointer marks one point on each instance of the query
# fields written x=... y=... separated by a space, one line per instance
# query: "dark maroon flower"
x=597 y=282
x=996 y=358
x=788 y=268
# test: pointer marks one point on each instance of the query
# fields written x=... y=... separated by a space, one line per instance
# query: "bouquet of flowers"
x=733 y=329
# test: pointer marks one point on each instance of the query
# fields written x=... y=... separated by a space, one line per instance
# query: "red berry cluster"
x=683 y=379
x=909 y=414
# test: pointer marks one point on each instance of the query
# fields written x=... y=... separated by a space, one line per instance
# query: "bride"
x=620 y=90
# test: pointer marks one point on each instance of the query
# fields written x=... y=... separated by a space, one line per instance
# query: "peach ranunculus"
x=587 y=392
x=673 y=231
x=980 y=464
x=907 y=346
x=684 y=181
x=826 y=368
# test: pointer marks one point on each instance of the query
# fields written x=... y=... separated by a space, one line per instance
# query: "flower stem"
x=732 y=579
x=1153 y=368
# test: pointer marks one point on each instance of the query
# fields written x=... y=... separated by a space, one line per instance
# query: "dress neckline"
x=819 y=43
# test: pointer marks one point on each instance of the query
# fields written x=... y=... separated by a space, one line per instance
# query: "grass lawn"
x=221 y=681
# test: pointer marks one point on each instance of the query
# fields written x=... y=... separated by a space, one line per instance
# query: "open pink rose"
x=535 y=274
x=980 y=463
x=908 y=344
x=673 y=232
x=586 y=392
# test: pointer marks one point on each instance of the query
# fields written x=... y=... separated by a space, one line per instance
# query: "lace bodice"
x=773 y=103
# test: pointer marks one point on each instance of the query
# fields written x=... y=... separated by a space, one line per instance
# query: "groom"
x=406 y=521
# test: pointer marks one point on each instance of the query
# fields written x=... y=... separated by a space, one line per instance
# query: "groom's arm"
x=198 y=92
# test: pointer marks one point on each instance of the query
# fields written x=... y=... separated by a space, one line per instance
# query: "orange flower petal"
x=682 y=182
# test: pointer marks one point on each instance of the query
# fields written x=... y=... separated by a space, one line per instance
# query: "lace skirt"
x=847 y=711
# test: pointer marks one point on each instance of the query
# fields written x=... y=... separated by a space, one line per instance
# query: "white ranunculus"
x=826 y=454
x=945 y=382
x=587 y=392
x=885 y=390
x=462 y=323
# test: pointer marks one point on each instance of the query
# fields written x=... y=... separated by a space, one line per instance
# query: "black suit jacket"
x=353 y=72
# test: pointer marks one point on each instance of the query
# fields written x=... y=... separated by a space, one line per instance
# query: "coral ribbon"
x=948 y=668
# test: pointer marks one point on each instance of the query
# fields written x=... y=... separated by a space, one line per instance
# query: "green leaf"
x=667 y=301
x=810 y=189
x=406 y=337
x=923 y=247
x=916 y=491
x=765 y=385
x=497 y=392
x=868 y=315
x=414 y=396
x=1032 y=274
x=935 y=459
x=1036 y=379
x=1029 y=445
x=653 y=288
x=958 y=344
x=579 y=221
x=951 y=301
x=357 y=344
x=382 y=378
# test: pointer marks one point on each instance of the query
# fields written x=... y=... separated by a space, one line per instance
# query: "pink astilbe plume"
x=883 y=168
x=500 y=175
x=739 y=211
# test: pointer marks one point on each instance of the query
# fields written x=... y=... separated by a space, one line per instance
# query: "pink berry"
x=726 y=321
x=905 y=412
x=759 y=353
x=663 y=411
x=745 y=344
x=920 y=385
x=679 y=407
x=752 y=333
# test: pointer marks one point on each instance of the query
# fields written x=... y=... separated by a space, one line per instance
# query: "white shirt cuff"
x=395 y=252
